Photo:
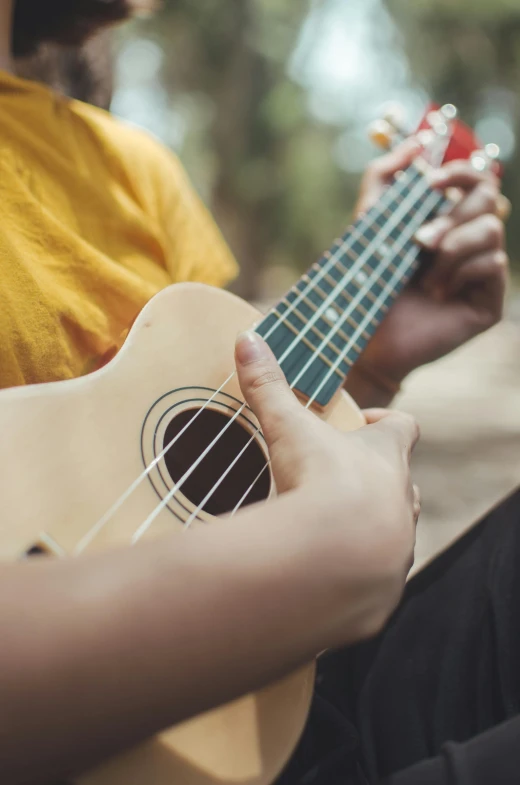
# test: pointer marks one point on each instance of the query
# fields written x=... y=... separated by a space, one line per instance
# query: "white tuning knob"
x=480 y=161
x=438 y=123
x=492 y=151
x=441 y=121
x=449 y=112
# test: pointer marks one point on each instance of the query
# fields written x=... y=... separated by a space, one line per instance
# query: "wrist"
x=356 y=595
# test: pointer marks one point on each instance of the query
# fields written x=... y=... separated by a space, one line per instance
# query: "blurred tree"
x=468 y=52
x=266 y=168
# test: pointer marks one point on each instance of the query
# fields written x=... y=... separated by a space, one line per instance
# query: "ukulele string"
x=406 y=265
x=92 y=533
x=370 y=249
x=384 y=265
x=437 y=161
x=391 y=287
x=430 y=203
x=357 y=232
x=341 y=285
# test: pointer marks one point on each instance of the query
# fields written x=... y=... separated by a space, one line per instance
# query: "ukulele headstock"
x=443 y=136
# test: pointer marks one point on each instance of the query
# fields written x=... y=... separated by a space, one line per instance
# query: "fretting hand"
x=460 y=294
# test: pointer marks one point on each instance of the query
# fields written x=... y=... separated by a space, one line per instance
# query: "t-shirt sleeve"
x=492 y=758
x=195 y=247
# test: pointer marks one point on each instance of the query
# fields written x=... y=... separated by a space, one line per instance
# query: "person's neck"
x=6 y=21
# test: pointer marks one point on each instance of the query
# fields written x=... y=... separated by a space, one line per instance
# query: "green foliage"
x=468 y=52
x=266 y=167
x=265 y=162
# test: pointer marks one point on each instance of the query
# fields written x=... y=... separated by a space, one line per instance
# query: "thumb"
x=263 y=384
x=402 y=427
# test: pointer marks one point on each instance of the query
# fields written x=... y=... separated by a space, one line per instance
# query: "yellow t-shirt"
x=95 y=219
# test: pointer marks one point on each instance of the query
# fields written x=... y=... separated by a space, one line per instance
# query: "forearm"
x=101 y=652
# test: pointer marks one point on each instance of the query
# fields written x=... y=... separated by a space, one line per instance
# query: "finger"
x=504 y=208
x=482 y=200
x=263 y=383
x=461 y=174
x=381 y=171
x=416 y=503
x=488 y=272
x=402 y=427
x=483 y=234
x=385 y=167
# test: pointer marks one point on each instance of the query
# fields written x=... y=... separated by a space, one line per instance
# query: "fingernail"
x=250 y=347
x=430 y=234
x=501 y=259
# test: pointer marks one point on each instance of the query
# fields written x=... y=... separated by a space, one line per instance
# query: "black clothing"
x=435 y=699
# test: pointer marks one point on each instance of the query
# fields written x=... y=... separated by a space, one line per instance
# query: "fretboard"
x=321 y=326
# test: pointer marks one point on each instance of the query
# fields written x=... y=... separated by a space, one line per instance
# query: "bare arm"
x=101 y=652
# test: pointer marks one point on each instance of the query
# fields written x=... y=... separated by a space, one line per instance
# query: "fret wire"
x=338 y=265
x=364 y=241
x=330 y=280
x=305 y=299
x=340 y=313
x=309 y=345
x=350 y=321
x=348 y=303
x=366 y=299
x=317 y=288
x=321 y=335
x=352 y=245
x=390 y=299
x=370 y=294
x=341 y=335
x=391 y=268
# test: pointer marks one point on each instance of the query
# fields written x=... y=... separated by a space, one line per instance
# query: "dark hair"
x=66 y=21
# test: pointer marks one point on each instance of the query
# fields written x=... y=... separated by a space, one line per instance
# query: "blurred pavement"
x=468 y=406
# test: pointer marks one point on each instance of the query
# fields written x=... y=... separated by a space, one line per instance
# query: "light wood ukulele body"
x=82 y=443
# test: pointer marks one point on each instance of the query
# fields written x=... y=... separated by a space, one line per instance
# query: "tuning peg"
x=492 y=151
x=394 y=115
x=482 y=160
x=381 y=133
x=479 y=161
x=441 y=121
x=449 y=112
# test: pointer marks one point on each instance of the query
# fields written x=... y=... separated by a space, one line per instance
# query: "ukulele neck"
x=320 y=327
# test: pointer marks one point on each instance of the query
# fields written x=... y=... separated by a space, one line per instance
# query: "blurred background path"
x=468 y=406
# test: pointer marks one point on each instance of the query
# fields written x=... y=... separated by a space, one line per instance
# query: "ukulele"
x=160 y=439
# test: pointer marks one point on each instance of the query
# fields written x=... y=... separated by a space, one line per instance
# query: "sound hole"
x=36 y=550
x=190 y=446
